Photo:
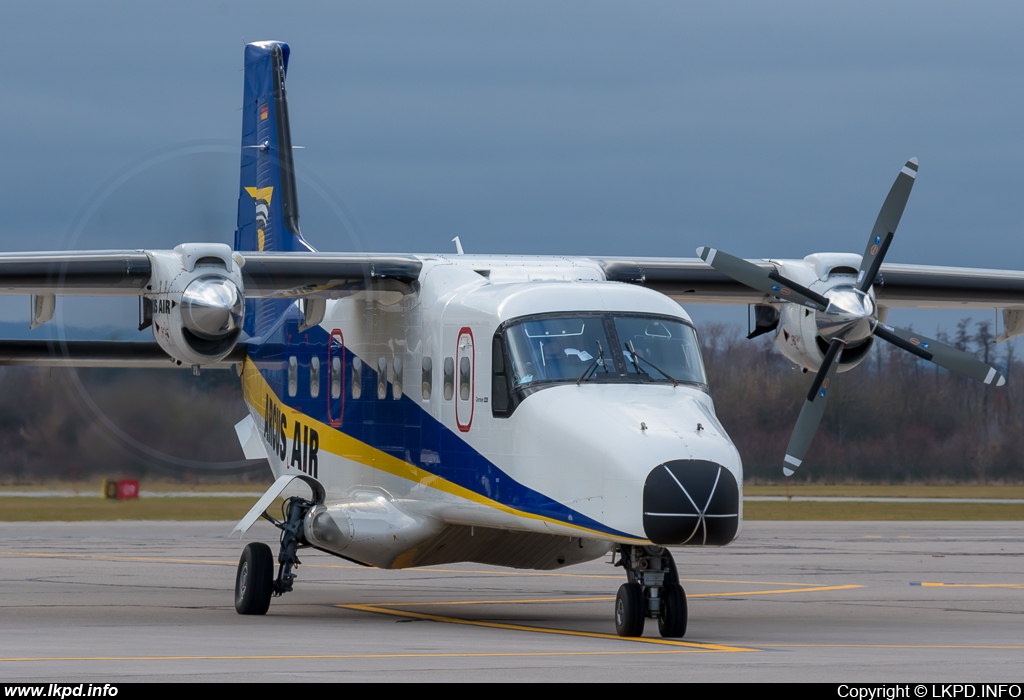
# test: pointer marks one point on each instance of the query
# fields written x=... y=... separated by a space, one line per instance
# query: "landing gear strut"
x=651 y=591
x=255 y=583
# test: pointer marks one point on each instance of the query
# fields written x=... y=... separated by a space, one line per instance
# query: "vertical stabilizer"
x=268 y=209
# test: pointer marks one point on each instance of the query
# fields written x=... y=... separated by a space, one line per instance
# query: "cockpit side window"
x=501 y=400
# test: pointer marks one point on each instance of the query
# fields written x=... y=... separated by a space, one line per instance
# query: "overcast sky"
x=605 y=128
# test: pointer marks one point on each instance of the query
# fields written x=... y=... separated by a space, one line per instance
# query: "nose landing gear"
x=651 y=591
x=254 y=582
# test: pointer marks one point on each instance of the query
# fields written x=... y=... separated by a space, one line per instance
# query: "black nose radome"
x=691 y=501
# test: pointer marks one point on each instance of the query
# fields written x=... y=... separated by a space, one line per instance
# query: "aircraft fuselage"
x=452 y=424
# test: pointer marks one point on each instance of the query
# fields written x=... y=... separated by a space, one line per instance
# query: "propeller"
x=848 y=314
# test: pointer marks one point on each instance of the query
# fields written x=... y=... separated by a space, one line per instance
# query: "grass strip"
x=14 y=508
x=804 y=510
x=887 y=490
x=215 y=508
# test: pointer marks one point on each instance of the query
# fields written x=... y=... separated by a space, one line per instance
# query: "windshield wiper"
x=592 y=369
x=635 y=358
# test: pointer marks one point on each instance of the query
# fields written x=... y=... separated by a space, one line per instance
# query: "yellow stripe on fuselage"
x=337 y=442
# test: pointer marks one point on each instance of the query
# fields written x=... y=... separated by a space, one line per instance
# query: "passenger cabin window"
x=314 y=377
x=382 y=377
x=427 y=377
x=357 y=378
x=293 y=376
x=464 y=379
x=449 y=378
x=396 y=382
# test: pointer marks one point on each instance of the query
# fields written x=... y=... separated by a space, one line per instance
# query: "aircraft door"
x=465 y=380
x=336 y=378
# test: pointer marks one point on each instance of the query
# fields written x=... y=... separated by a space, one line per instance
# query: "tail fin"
x=268 y=209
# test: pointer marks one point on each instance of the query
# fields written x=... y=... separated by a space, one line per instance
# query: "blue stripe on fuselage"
x=398 y=427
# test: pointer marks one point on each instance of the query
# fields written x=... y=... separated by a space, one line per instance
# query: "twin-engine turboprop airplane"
x=530 y=412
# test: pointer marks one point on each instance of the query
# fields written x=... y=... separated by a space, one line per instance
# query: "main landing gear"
x=255 y=583
x=652 y=590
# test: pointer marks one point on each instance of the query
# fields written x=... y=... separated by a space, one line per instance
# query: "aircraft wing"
x=192 y=296
x=691 y=280
x=325 y=274
x=127 y=273
x=97 y=353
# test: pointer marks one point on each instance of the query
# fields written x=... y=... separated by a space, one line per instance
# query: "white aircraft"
x=529 y=412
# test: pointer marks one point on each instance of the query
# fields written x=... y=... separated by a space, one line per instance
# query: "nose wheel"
x=651 y=591
x=630 y=610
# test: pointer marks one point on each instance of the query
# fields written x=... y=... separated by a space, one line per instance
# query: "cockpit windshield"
x=631 y=348
x=660 y=348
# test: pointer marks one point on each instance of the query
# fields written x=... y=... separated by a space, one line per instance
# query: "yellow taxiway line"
x=496 y=654
x=329 y=657
x=693 y=646
x=599 y=599
x=932 y=584
x=401 y=610
x=355 y=567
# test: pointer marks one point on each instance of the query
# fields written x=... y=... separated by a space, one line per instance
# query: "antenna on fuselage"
x=458 y=246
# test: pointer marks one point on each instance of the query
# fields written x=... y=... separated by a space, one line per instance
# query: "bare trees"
x=891 y=419
x=894 y=418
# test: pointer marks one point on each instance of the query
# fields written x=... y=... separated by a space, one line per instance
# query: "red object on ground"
x=127 y=488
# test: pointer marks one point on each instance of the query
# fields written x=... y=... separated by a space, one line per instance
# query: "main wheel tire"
x=254 y=582
x=672 y=618
x=630 y=611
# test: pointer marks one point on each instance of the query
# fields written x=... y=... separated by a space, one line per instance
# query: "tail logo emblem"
x=262 y=197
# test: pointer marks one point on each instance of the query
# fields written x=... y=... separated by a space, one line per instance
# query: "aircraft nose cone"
x=689 y=501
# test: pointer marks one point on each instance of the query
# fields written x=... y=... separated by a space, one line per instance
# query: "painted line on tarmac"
x=798 y=587
x=606 y=598
x=354 y=567
x=401 y=610
x=933 y=584
x=691 y=646
x=994 y=647
x=335 y=657
x=510 y=654
x=815 y=589
x=114 y=557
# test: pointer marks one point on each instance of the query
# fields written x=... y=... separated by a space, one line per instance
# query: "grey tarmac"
x=838 y=602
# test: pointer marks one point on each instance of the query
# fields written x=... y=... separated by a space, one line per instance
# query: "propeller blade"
x=885 y=225
x=771 y=283
x=941 y=354
x=814 y=408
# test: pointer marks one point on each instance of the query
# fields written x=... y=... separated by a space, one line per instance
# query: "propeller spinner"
x=848 y=314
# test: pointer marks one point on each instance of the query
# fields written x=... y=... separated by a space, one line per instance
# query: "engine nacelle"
x=197 y=301
x=798 y=334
